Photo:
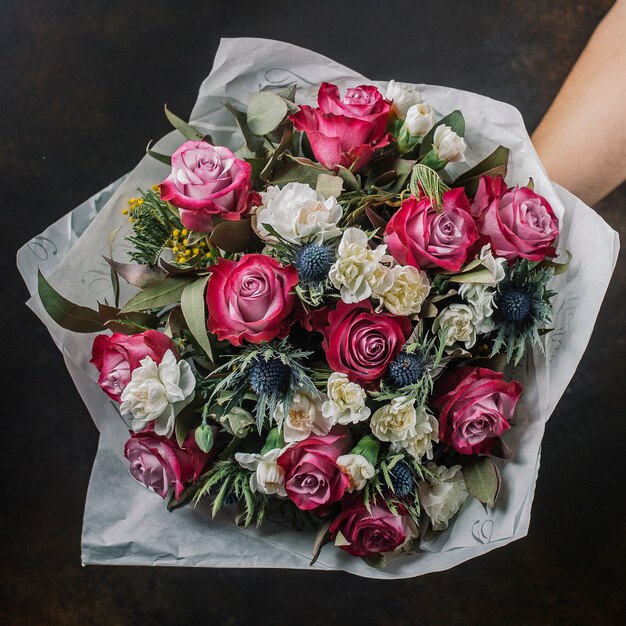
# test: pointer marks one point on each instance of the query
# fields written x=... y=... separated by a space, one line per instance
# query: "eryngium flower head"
x=313 y=262
x=267 y=377
x=406 y=369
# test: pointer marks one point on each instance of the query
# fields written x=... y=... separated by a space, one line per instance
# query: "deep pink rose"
x=371 y=532
x=516 y=222
x=345 y=132
x=313 y=480
x=251 y=299
x=475 y=405
x=116 y=356
x=360 y=342
x=207 y=181
x=160 y=463
x=422 y=236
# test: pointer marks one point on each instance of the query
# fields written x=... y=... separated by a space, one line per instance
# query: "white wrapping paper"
x=126 y=524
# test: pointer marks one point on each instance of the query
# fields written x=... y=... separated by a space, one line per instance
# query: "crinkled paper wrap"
x=126 y=524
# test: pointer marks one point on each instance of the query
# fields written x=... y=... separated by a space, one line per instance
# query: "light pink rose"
x=207 y=182
x=418 y=234
x=159 y=463
x=475 y=405
x=313 y=480
x=117 y=355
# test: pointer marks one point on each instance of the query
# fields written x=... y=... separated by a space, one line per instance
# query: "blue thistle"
x=313 y=262
x=402 y=479
x=514 y=305
x=406 y=369
x=268 y=377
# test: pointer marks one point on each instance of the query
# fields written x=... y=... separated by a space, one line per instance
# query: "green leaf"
x=297 y=169
x=389 y=173
x=186 y=421
x=232 y=236
x=282 y=147
x=266 y=111
x=321 y=539
x=274 y=440
x=329 y=185
x=166 y=291
x=454 y=120
x=367 y=447
x=375 y=560
x=494 y=165
x=183 y=127
x=482 y=479
x=74 y=317
x=194 y=310
x=163 y=158
x=351 y=182
x=141 y=276
x=482 y=275
x=253 y=142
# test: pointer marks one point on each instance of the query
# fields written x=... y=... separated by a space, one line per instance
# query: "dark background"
x=82 y=86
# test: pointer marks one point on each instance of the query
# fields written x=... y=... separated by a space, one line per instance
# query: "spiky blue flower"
x=406 y=369
x=313 y=262
x=267 y=377
x=514 y=305
x=402 y=479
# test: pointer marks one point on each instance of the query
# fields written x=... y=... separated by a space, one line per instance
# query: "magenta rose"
x=475 y=405
x=251 y=299
x=159 y=463
x=517 y=223
x=371 y=532
x=313 y=480
x=345 y=132
x=425 y=237
x=117 y=355
x=489 y=189
x=360 y=342
x=207 y=182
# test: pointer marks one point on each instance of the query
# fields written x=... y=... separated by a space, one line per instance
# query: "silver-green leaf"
x=194 y=311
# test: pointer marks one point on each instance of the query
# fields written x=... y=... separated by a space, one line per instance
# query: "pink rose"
x=345 y=132
x=475 y=405
x=371 y=532
x=422 y=236
x=361 y=343
x=116 y=356
x=207 y=181
x=159 y=463
x=489 y=188
x=517 y=223
x=251 y=299
x=313 y=480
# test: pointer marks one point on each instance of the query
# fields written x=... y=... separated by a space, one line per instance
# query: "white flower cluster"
x=442 y=495
x=268 y=476
x=448 y=145
x=418 y=116
x=358 y=469
x=360 y=273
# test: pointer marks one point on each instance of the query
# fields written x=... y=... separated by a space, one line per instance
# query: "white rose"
x=346 y=401
x=458 y=323
x=358 y=469
x=298 y=212
x=303 y=418
x=395 y=421
x=268 y=477
x=420 y=118
x=358 y=269
x=420 y=440
x=237 y=421
x=448 y=145
x=157 y=393
x=408 y=289
x=442 y=497
x=403 y=96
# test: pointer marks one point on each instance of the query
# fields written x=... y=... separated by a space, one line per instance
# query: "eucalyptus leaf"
x=163 y=158
x=233 y=236
x=282 y=147
x=495 y=164
x=186 y=421
x=482 y=479
x=166 y=291
x=193 y=305
x=189 y=132
x=329 y=185
x=266 y=111
x=115 y=281
x=482 y=275
x=321 y=539
x=351 y=182
x=141 y=276
x=253 y=142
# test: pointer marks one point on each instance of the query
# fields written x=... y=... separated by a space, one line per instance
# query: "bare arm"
x=582 y=138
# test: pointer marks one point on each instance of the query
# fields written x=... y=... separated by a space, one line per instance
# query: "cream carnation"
x=298 y=212
x=442 y=496
x=303 y=418
x=358 y=469
x=158 y=392
x=458 y=324
x=448 y=145
x=408 y=289
x=420 y=118
x=268 y=476
x=346 y=401
x=396 y=421
x=419 y=442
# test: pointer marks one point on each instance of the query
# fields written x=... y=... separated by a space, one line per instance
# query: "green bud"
x=274 y=440
x=367 y=447
x=204 y=437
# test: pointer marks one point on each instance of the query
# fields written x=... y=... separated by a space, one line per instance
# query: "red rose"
x=371 y=532
x=250 y=299
x=345 y=132
x=159 y=463
x=312 y=477
x=207 y=181
x=422 y=236
x=361 y=343
x=116 y=356
x=475 y=405
x=516 y=222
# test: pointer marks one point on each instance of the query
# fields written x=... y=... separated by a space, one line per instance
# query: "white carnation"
x=359 y=270
x=396 y=421
x=358 y=469
x=403 y=96
x=346 y=401
x=298 y=212
x=158 y=392
x=442 y=496
x=448 y=145
x=408 y=289
x=303 y=417
x=420 y=118
x=425 y=432
x=268 y=476
x=457 y=322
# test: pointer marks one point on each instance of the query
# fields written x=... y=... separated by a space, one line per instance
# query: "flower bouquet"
x=323 y=321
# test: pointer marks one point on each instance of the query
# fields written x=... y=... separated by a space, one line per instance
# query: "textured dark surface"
x=81 y=93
